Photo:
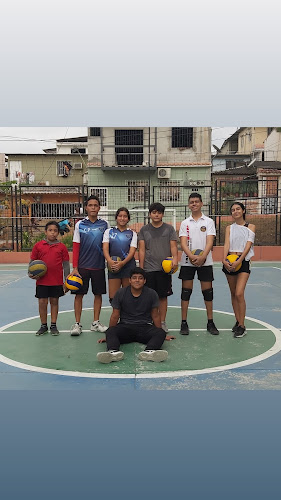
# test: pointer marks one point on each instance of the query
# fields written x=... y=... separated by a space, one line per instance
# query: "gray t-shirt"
x=135 y=310
x=157 y=244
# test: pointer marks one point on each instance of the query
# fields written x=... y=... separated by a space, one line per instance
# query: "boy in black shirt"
x=137 y=308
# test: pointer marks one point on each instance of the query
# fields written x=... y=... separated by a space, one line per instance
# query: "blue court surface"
x=199 y=361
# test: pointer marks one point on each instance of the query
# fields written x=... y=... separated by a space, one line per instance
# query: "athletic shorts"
x=160 y=282
x=245 y=268
x=124 y=272
x=97 y=277
x=45 y=291
x=204 y=273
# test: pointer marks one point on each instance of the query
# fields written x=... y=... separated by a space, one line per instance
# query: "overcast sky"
x=35 y=139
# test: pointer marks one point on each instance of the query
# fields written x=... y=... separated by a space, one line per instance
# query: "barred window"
x=95 y=131
x=182 y=137
x=101 y=193
x=169 y=191
x=63 y=168
x=137 y=191
x=53 y=210
x=76 y=151
x=132 y=153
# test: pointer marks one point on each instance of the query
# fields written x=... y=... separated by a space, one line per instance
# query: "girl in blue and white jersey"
x=119 y=247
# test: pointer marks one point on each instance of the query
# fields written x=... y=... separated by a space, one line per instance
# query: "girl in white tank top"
x=239 y=239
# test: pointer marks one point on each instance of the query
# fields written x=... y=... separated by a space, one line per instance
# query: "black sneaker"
x=54 y=330
x=235 y=326
x=211 y=328
x=239 y=332
x=184 y=328
x=42 y=330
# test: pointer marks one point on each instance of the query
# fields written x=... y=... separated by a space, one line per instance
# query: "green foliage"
x=28 y=241
x=67 y=239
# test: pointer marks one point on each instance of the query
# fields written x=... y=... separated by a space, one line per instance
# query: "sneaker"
x=76 y=330
x=239 y=332
x=235 y=326
x=96 y=326
x=164 y=327
x=184 y=328
x=212 y=329
x=153 y=355
x=108 y=356
x=54 y=330
x=42 y=330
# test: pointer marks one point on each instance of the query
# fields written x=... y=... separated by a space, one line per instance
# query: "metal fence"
x=24 y=210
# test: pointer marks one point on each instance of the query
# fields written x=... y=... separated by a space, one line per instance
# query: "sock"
x=183 y=321
x=44 y=324
x=210 y=321
x=53 y=324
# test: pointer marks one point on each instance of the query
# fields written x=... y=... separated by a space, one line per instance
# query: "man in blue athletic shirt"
x=89 y=263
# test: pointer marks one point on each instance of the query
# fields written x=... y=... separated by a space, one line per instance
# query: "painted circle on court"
x=189 y=355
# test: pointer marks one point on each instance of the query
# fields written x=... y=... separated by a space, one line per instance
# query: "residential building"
x=245 y=145
x=134 y=166
x=50 y=185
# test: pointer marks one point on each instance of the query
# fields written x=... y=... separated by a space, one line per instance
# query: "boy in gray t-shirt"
x=157 y=241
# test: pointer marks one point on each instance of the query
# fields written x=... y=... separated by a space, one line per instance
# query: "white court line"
x=14 y=281
x=172 y=374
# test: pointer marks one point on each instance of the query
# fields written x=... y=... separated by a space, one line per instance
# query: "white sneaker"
x=76 y=330
x=153 y=355
x=108 y=356
x=96 y=326
x=164 y=327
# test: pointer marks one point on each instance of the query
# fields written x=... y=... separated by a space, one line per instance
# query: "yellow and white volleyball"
x=167 y=265
x=73 y=282
x=232 y=257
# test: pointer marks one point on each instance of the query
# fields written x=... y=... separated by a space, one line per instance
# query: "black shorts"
x=204 y=273
x=245 y=268
x=97 y=277
x=45 y=291
x=160 y=282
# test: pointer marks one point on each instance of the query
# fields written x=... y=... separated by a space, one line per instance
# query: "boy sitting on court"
x=50 y=286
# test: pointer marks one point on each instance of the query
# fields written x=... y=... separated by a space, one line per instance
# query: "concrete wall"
x=2 y=167
x=272 y=147
x=251 y=139
x=267 y=254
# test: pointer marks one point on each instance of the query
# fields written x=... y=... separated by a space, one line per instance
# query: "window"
x=169 y=191
x=101 y=193
x=95 y=131
x=63 y=168
x=137 y=191
x=182 y=137
x=76 y=151
x=129 y=147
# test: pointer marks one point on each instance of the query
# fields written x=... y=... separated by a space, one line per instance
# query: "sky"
x=35 y=139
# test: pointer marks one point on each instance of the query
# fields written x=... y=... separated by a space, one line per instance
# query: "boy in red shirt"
x=51 y=286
